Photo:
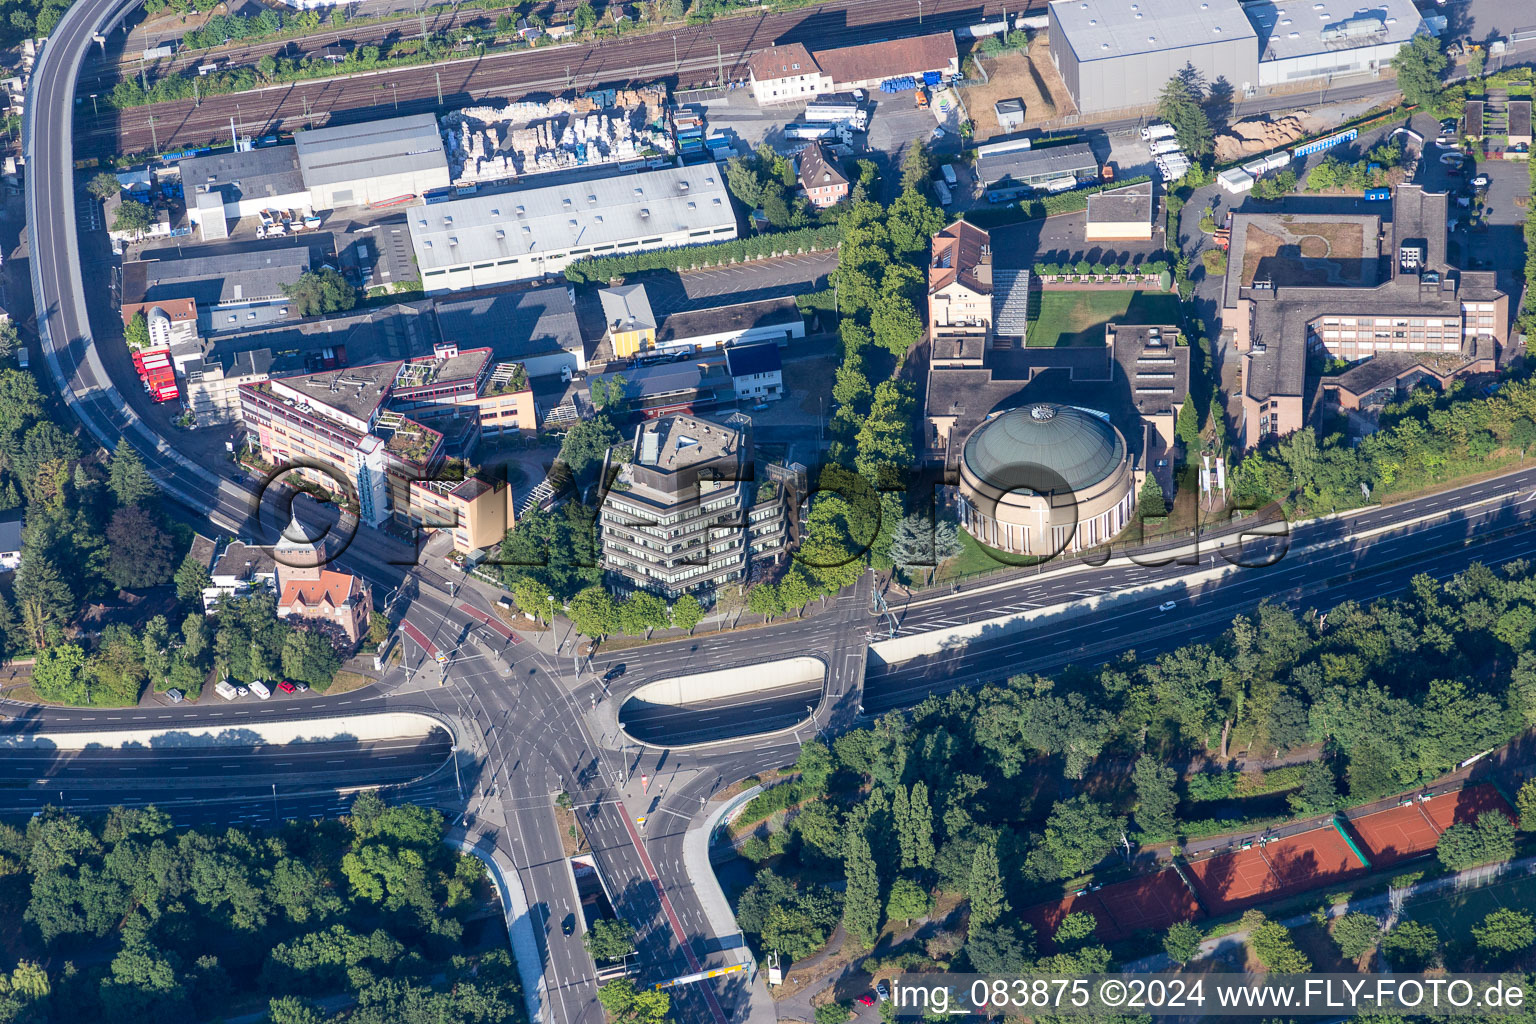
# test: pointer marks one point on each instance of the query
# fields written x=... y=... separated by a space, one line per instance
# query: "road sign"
x=640 y=820
x=442 y=659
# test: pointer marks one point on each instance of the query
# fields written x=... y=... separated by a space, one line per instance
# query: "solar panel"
x=1010 y=302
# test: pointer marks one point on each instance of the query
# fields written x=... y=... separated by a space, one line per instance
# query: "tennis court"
x=1395 y=834
x=1463 y=806
x=1232 y=881
x=1146 y=903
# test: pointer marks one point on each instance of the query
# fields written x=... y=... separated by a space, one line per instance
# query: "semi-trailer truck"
x=1153 y=132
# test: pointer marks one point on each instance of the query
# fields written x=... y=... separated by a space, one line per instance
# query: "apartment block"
x=477 y=512
x=684 y=516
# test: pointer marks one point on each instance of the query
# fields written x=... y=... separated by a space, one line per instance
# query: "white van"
x=225 y=690
x=259 y=688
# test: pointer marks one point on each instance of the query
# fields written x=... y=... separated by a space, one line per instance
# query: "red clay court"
x=1399 y=833
x=1232 y=881
x=1146 y=903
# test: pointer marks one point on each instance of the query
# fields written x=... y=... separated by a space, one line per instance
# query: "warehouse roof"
x=216 y=280
x=890 y=58
x=517 y=324
x=254 y=174
x=1099 y=29
x=602 y=211
x=1294 y=29
x=718 y=320
x=1131 y=204
x=1033 y=163
x=349 y=152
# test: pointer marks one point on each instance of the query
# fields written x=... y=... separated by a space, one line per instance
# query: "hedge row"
x=601 y=269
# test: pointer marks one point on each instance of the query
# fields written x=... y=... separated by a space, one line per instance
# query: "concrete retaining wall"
x=729 y=682
x=514 y=904
x=387 y=725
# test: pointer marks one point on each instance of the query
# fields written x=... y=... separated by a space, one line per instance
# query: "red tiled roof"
x=957 y=251
x=889 y=59
x=337 y=588
x=787 y=61
x=179 y=310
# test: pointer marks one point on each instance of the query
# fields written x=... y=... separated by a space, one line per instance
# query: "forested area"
x=1425 y=439
x=139 y=921
x=1006 y=794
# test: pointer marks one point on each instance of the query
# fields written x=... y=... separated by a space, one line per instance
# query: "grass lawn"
x=1078 y=318
x=976 y=557
x=1454 y=913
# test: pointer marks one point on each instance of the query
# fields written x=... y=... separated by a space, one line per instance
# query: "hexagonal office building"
x=1043 y=479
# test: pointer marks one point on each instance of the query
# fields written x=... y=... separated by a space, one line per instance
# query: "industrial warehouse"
x=1115 y=54
x=481 y=241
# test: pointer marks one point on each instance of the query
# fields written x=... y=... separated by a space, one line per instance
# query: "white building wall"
x=1361 y=60
x=780 y=333
x=376 y=188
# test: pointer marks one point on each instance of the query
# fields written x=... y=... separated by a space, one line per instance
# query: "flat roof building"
x=1328 y=38
x=1016 y=171
x=1120 y=214
x=1299 y=283
x=1114 y=54
x=257 y=179
x=534 y=326
x=696 y=476
x=487 y=240
x=359 y=164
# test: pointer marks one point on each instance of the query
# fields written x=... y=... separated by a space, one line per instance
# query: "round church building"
x=1045 y=478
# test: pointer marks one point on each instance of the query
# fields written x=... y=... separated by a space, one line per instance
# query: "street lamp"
x=458 y=783
x=675 y=65
x=274 y=803
x=394 y=88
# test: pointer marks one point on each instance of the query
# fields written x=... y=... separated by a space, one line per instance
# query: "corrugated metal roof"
x=351 y=152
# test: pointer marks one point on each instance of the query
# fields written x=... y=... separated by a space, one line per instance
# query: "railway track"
x=693 y=56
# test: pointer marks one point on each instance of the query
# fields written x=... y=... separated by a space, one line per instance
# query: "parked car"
x=301 y=687
x=175 y=696
x=287 y=687
x=882 y=991
x=242 y=690
x=259 y=688
x=938 y=133
x=866 y=999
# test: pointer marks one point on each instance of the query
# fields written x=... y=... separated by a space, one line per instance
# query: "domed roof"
x=1030 y=446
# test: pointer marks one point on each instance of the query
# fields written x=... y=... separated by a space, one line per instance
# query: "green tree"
x=920 y=825
x=593 y=612
x=1505 y=931
x=833 y=1013
x=104 y=185
x=1182 y=942
x=1356 y=934
x=44 y=601
x=133 y=218
x=1411 y=946
x=136 y=334
x=610 y=939
x=628 y=1005
x=129 y=481
x=141 y=551
x=1318 y=794
x=642 y=612
x=1079 y=833
x=861 y=900
x=1075 y=930
x=907 y=900
x=586 y=444
x=794 y=591
x=763 y=599
x=1151 y=504
x=1491 y=838
x=583 y=17
x=1156 y=800
x=1273 y=947
x=916 y=166
x=1179 y=105
x=192 y=577
x=896 y=325
x=1187 y=429
x=1525 y=804
x=59 y=674
x=988 y=902
x=378 y=627
x=1419 y=66
x=687 y=613
x=320 y=291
